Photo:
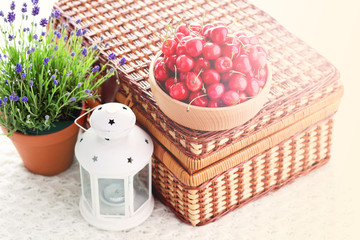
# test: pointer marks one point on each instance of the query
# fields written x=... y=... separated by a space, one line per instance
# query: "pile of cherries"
x=208 y=67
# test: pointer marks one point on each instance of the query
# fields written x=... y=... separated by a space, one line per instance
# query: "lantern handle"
x=82 y=115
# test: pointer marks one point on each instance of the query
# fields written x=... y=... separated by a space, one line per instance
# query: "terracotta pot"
x=47 y=154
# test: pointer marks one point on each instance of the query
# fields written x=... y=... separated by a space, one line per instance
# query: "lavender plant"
x=44 y=76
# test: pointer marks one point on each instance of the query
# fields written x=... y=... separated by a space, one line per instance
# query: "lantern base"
x=113 y=223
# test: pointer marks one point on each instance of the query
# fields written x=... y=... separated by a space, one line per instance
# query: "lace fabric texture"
x=38 y=207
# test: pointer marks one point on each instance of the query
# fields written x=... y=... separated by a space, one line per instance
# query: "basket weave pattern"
x=248 y=181
x=132 y=30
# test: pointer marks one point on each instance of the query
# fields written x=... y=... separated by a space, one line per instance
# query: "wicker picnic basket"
x=203 y=175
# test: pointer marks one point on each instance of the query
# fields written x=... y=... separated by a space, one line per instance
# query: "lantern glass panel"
x=112 y=196
x=86 y=185
x=141 y=187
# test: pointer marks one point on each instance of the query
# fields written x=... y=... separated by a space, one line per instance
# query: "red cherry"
x=261 y=77
x=160 y=59
x=169 y=82
x=239 y=34
x=184 y=63
x=225 y=77
x=242 y=64
x=210 y=76
x=215 y=91
x=201 y=64
x=213 y=104
x=261 y=49
x=218 y=23
x=238 y=82
x=252 y=87
x=260 y=61
x=253 y=54
x=183 y=29
x=230 y=50
x=169 y=46
x=218 y=34
x=183 y=76
x=223 y=64
x=211 y=51
x=193 y=82
x=194 y=47
x=186 y=38
x=179 y=36
x=179 y=91
x=199 y=101
x=170 y=62
x=205 y=28
x=244 y=40
x=243 y=97
x=230 y=97
x=180 y=49
x=195 y=27
x=160 y=72
x=254 y=40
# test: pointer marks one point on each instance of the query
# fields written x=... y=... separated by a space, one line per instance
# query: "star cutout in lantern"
x=81 y=140
x=107 y=139
x=99 y=108
x=125 y=108
x=95 y=158
x=147 y=141
x=111 y=121
x=130 y=160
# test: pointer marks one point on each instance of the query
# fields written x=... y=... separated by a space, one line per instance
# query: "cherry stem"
x=175 y=78
x=197 y=76
x=233 y=71
x=188 y=107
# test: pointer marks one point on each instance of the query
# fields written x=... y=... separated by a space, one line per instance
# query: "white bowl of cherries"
x=207 y=79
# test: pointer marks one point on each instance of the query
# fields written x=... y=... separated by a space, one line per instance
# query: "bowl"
x=205 y=118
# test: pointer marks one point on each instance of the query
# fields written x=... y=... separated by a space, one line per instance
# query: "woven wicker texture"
x=301 y=76
x=249 y=180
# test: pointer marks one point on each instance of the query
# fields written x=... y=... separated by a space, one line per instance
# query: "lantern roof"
x=113 y=151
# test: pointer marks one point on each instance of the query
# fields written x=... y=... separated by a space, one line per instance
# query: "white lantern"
x=115 y=167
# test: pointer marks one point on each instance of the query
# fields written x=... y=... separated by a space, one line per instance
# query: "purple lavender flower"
x=1 y=13
x=35 y=10
x=112 y=56
x=11 y=17
x=13 y=97
x=35 y=37
x=78 y=32
x=56 y=47
x=78 y=21
x=57 y=13
x=79 y=84
x=111 y=70
x=58 y=35
x=71 y=33
x=95 y=47
x=56 y=82
x=1 y=103
x=18 y=68
x=43 y=22
x=30 y=68
x=53 y=76
x=23 y=75
x=122 y=61
x=35 y=2
x=68 y=19
x=33 y=49
x=24 y=99
x=43 y=34
x=52 y=56
x=65 y=37
x=73 y=54
x=87 y=91
x=106 y=44
x=31 y=83
x=12 y=6
x=5 y=99
x=6 y=82
x=101 y=38
x=72 y=99
x=46 y=60
x=96 y=69
x=84 y=31
x=11 y=37
x=84 y=51
x=47 y=117
x=28 y=51
x=24 y=9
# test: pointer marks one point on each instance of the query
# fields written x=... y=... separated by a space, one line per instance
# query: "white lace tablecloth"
x=321 y=205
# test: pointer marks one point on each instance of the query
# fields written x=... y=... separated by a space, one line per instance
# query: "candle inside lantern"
x=114 y=193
